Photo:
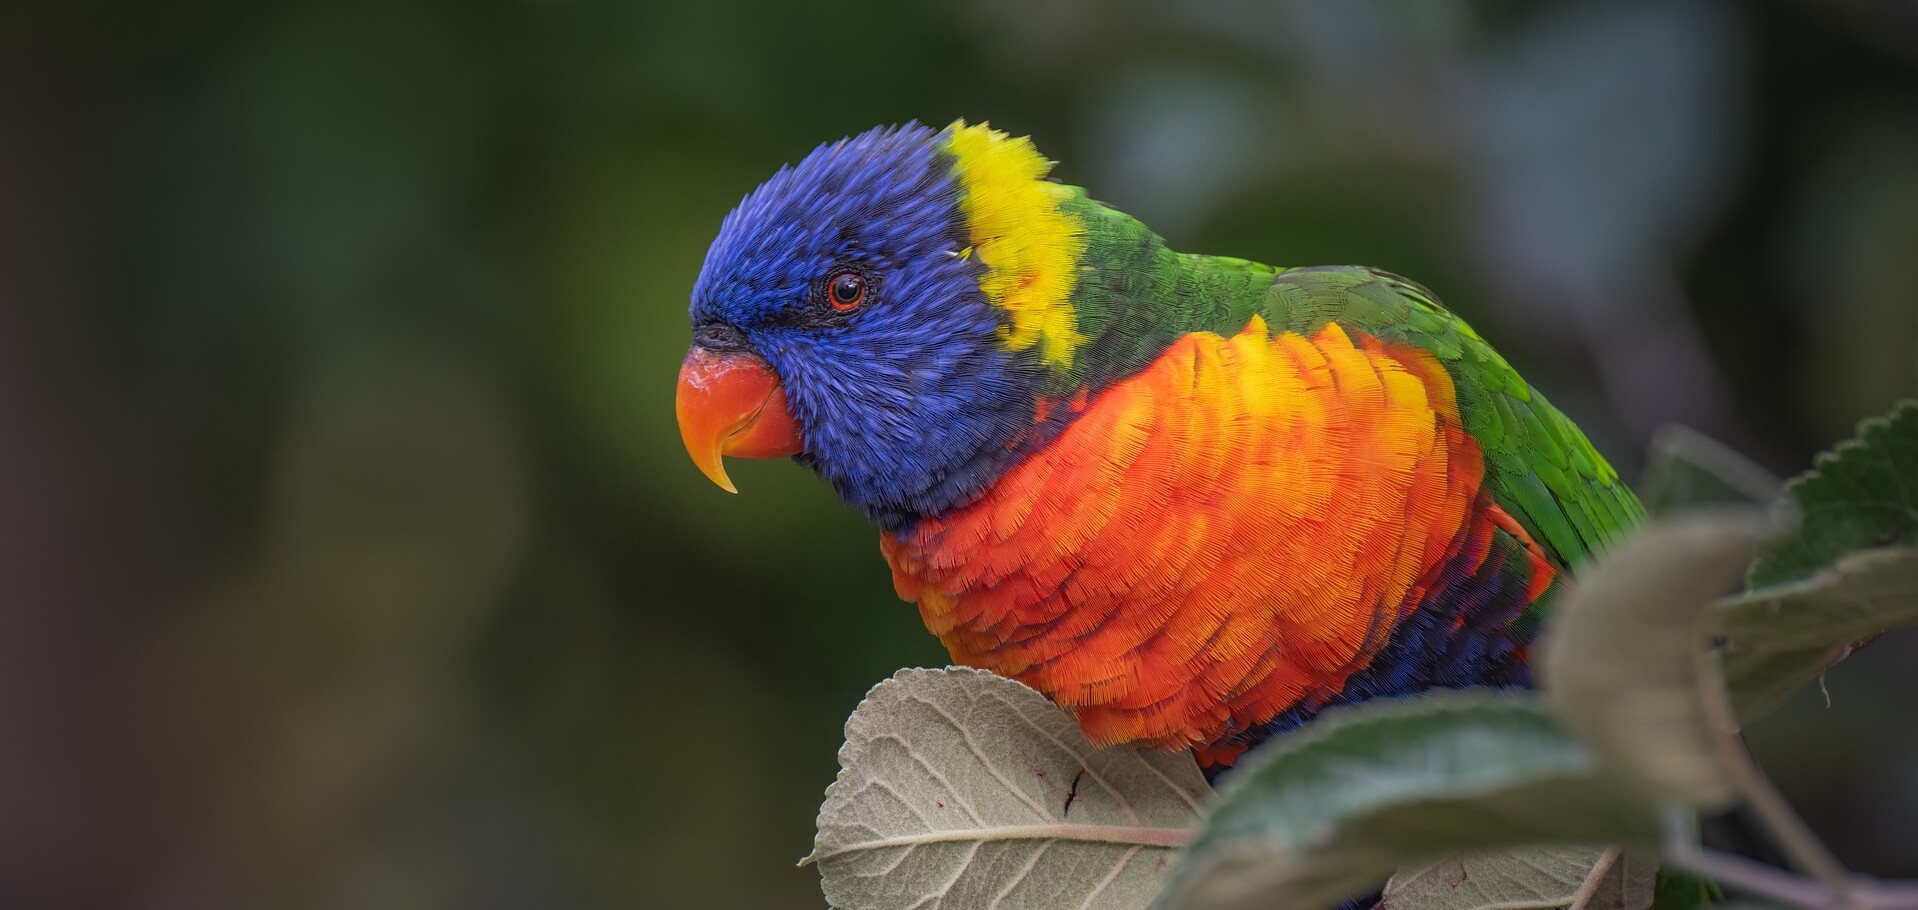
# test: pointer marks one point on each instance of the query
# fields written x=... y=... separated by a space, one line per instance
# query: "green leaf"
x=1781 y=637
x=1686 y=468
x=961 y=789
x=1861 y=595
x=1761 y=681
x=1333 y=808
x=1861 y=495
x=1535 y=878
x=1620 y=657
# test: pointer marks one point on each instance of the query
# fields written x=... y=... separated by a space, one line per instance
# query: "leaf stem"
x=1756 y=878
x=1801 y=846
x=1589 y=887
x=1102 y=834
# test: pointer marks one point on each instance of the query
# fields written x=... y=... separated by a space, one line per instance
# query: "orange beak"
x=732 y=404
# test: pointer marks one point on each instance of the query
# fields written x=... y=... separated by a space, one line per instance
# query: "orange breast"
x=1234 y=529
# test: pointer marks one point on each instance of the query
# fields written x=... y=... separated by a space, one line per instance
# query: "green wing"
x=1538 y=466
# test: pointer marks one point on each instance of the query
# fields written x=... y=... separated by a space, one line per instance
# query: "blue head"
x=852 y=276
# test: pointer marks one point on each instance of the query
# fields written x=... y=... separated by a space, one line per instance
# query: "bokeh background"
x=348 y=557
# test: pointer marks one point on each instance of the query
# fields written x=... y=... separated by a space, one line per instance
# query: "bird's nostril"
x=719 y=337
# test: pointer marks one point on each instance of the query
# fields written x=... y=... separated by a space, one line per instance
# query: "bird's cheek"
x=732 y=404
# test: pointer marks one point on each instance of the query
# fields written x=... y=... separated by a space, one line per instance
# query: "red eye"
x=846 y=290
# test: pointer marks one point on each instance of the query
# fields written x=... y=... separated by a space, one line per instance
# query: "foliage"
x=1454 y=800
x=1542 y=878
x=1861 y=494
x=1688 y=469
x=1332 y=811
x=1617 y=660
x=1781 y=637
x=960 y=789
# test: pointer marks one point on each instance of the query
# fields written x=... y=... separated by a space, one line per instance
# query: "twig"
x=1741 y=874
x=1801 y=847
x=1596 y=877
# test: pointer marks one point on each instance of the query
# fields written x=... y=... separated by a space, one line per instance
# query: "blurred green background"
x=348 y=557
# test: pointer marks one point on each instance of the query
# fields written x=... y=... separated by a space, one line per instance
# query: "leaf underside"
x=1619 y=660
x=1779 y=638
x=961 y=789
x=1536 y=878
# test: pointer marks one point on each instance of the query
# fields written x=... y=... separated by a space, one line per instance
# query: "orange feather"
x=1231 y=531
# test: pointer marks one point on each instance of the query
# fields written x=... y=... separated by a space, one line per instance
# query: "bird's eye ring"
x=846 y=290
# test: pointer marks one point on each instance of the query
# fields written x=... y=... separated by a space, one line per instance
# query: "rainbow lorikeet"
x=1192 y=499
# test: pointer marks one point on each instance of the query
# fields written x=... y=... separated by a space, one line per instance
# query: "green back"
x=1136 y=296
x=1538 y=465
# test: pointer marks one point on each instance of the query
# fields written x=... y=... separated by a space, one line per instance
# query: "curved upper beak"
x=732 y=404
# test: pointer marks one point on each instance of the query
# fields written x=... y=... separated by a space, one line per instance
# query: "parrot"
x=1194 y=500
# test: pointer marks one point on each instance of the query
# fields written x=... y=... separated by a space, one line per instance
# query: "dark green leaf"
x=1334 y=808
x=1687 y=468
x=1862 y=494
x=1761 y=681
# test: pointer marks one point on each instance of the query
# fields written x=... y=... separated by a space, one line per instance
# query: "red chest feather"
x=1235 y=529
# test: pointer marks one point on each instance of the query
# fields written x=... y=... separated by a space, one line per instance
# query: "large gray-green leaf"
x=1534 y=878
x=1333 y=808
x=1860 y=495
x=960 y=789
x=1685 y=468
x=1781 y=637
x=1620 y=658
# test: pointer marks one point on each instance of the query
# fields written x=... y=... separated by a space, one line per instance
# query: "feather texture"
x=1194 y=499
x=1233 y=532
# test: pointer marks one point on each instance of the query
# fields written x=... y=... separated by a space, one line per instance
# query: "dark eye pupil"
x=846 y=287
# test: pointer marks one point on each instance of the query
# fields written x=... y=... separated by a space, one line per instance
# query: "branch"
x=1589 y=887
x=1741 y=874
x=1800 y=845
x=1830 y=886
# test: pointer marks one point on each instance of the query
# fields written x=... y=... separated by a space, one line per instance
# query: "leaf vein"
x=1167 y=838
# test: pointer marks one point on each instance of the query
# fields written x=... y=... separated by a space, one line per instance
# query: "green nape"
x=1134 y=297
